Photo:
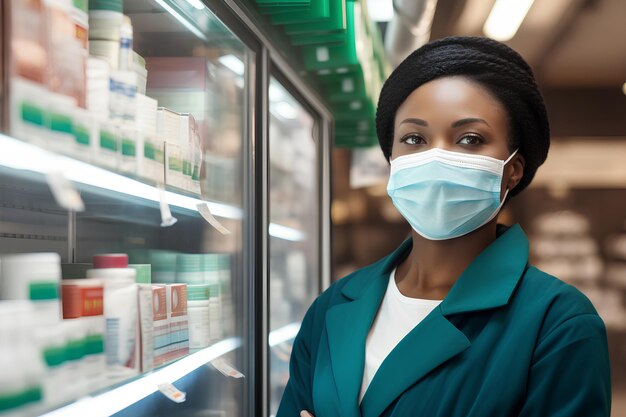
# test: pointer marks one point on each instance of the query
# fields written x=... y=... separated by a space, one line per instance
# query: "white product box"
x=161 y=328
x=152 y=162
x=60 y=123
x=174 y=165
x=107 y=146
x=129 y=147
x=146 y=117
x=146 y=327
x=178 y=320
x=29 y=103
x=85 y=134
x=98 y=92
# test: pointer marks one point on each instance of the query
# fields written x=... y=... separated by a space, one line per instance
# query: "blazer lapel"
x=348 y=325
x=432 y=342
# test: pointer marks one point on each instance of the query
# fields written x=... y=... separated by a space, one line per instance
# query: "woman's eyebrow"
x=415 y=121
x=469 y=120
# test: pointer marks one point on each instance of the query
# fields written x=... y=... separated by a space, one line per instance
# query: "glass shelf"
x=123 y=393
x=21 y=157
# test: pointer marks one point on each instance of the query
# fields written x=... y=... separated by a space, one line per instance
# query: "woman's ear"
x=516 y=171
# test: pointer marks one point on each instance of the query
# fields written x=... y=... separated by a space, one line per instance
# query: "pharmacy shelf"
x=30 y=161
x=112 y=400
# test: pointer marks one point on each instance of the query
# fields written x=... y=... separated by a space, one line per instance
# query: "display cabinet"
x=164 y=190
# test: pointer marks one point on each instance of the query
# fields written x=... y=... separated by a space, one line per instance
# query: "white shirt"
x=396 y=317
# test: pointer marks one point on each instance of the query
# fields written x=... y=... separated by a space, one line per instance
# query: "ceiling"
x=569 y=43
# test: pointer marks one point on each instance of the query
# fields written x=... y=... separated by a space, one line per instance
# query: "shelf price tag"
x=205 y=212
x=64 y=192
x=171 y=392
x=167 y=219
x=226 y=368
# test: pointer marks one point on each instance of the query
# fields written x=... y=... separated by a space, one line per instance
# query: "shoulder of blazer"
x=555 y=300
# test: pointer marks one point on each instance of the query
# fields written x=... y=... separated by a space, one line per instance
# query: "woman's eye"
x=470 y=140
x=413 y=140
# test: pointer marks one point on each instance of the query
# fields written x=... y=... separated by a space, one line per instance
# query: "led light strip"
x=283 y=334
x=182 y=19
x=286 y=233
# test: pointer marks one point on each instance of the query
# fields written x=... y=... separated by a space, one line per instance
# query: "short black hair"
x=492 y=64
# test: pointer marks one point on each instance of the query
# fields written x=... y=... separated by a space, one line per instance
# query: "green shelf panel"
x=318 y=9
x=341 y=18
x=337 y=20
x=355 y=141
x=353 y=110
x=326 y=38
x=344 y=87
x=282 y=3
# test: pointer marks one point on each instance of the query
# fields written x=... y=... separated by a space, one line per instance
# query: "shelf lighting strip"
x=122 y=397
x=283 y=334
x=18 y=155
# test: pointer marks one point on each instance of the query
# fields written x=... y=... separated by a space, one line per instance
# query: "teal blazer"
x=508 y=340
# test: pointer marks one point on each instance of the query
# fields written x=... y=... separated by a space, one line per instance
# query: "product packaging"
x=122 y=345
x=178 y=320
x=198 y=303
x=23 y=370
x=163 y=266
x=85 y=133
x=189 y=268
x=146 y=327
x=35 y=277
x=130 y=142
x=27 y=72
x=82 y=297
x=107 y=148
x=215 y=314
x=168 y=126
x=161 y=328
x=126 y=44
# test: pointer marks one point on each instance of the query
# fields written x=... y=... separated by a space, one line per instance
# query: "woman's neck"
x=433 y=266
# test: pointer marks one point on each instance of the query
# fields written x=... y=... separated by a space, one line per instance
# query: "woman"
x=455 y=322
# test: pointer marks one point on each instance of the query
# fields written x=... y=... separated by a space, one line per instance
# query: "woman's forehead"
x=449 y=97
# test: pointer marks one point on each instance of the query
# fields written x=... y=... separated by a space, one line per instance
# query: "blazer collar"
x=488 y=282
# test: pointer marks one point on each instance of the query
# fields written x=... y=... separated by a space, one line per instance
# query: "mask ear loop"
x=507 y=188
x=510 y=157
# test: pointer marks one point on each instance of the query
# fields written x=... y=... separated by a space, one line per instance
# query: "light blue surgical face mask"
x=444 y=194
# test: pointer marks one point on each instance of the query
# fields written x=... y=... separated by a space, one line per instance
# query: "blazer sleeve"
x=570 y=375
x=298 y=392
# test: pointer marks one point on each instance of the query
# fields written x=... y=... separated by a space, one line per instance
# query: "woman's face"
x=455 y=114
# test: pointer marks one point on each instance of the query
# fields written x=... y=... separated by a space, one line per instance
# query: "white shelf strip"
x=15 y=154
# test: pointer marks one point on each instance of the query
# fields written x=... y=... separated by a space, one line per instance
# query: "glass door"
x=294 y=212
x=147 y=131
